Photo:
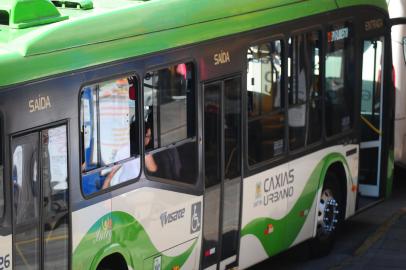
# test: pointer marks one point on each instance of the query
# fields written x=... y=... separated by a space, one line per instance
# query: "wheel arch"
x=112 y=255
x=336 y=163
x=114 y=261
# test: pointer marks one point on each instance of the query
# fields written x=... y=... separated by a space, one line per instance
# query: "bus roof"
x=117 y=29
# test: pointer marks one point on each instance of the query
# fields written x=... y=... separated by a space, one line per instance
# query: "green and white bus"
x=179 y=134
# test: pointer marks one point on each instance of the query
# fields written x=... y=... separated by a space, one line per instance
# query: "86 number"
x=4 y=262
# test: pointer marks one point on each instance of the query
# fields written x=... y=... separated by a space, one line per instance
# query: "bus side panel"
x=91 y=231
x=400 y=84
x=397 y=8
x=145 y=226
x=262 y=221
x=166 y=226
x=5 y=252
x=279 y=207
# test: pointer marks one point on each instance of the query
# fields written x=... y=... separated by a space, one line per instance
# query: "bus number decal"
x=221 y=58
x=336 y=35
x=373 y=24
x=5 y=262
x=39 y=104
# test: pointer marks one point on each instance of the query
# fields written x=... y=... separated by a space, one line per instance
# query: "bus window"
x=169 y=112
x=55 y=212
x=265 y=102
x=305 y=110
x=339 y=80
x=372 y=72
x=109 y=126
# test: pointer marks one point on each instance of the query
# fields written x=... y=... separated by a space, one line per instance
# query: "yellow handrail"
x=371 y=126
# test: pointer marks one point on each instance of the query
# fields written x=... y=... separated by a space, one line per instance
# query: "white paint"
x=213 y=267
x=6 y=251
x=253 y=194
x=251 y=251
x=147 y=205
x=226 y=262
x=84 y=219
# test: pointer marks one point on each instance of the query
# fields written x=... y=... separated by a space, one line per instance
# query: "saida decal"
x=39 y=104
x=221 y=58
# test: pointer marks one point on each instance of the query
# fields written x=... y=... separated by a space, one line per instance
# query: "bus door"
x=371 y=117
x=222 y=158
x=40 y=200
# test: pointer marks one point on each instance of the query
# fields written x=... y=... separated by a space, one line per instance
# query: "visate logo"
x=171 y=217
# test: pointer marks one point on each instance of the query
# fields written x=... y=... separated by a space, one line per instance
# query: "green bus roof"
x=111 y=30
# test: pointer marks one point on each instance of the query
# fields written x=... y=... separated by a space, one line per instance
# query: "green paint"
x=111 y=31
x=28 y=13
x=389 y=175
x=379 y=3
x=287 y=229
x=120 y=232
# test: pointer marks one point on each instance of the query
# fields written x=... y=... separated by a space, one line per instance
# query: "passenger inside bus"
x=130 y=170
x=109 y=134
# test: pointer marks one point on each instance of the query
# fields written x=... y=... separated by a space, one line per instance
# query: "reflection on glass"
x=89 y=128
x=304 y=90
x=55 y=198
x=115 y=117
x=265 y=101
x=212 y=146
x=169 y=100
x=110 y=134
x=232 y=127
x=26 y=202
x=169 y=118
x=232 y=164
x=339 y=81
x=372 y=72
x=264 y=78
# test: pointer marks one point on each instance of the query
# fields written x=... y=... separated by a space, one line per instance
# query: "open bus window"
x=170 y=123
x=339 y=80
x=305 y=99
x=265 y=102
x=109 y=127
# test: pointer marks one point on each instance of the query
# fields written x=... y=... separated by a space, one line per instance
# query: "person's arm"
x=110 y=176
x=150 y=163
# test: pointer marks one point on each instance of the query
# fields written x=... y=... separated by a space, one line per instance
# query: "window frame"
x=110 y=166
x=39 y=129
x=245 y=141
x=354 y=25
x=197 y=133
x=322 y=64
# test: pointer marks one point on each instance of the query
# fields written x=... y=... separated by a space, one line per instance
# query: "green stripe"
x=288 y=228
